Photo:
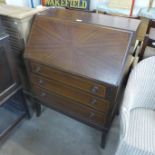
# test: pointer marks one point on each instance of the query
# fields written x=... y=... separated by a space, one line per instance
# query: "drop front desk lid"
x=85 y=44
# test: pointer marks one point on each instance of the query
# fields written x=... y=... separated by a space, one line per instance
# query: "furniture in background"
x=78 y=62
x=127 y=8
x=9 y=80
x=138 y=111
x=13 y=107
x=12 y=111
x=2 y=1
x=150 y=25
x=148 y=13
x=119 y=7
x=17 y=22
x=148 y=46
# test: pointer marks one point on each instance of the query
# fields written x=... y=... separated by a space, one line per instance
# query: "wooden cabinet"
x=77 y=63
x=9 y=80
x=13 y=106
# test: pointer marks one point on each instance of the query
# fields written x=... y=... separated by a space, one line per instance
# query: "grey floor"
x=56 y=134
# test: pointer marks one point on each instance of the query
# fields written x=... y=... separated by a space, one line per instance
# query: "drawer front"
x=68 y=79
x=72 y=108
x=71 y=93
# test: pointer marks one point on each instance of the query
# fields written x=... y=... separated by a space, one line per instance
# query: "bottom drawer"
x=76 y=110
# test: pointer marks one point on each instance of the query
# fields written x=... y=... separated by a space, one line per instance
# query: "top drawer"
x=69 y=79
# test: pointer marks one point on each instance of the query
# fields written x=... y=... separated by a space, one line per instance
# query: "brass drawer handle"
x=38 y=69
x=41 y=81
x=43 y=94
x=95 y=89
x=93 y=102
x=92 y=114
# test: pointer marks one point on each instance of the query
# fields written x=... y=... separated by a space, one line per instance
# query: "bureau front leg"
x=103 y=139
x=38 y=109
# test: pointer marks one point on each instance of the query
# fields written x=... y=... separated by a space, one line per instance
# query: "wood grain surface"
x=77 y=63
x=90 y=51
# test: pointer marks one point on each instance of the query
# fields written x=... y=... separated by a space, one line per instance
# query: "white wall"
x=94 y=3
x=22 y=2
x=18 y=2
x=143 y=3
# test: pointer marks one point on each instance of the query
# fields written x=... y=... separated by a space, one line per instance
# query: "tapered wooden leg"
x=38 y=109
x=26 y=106
x=117 y=112
x=104 y=138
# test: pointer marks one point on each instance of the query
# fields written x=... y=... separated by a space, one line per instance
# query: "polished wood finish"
x=77 y=62
x=71 y=93
x=71 y=108
x=72 y=47
x=69 y=79
x=93 y=19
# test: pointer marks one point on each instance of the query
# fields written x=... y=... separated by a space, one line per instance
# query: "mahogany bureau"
x=77 y=61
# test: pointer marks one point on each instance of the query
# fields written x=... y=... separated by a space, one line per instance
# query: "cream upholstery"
x=138 y=111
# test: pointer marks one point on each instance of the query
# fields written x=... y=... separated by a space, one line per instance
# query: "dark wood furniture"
x=149 y=41
x=77 y=62
x=12 y=102
x=17 y=23
x=9 y=80
x=151 y=25
x=12 y=112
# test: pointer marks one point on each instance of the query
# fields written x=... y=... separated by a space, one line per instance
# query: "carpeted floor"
x=56 y=134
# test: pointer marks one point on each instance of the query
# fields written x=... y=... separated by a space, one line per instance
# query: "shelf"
x=11 y=113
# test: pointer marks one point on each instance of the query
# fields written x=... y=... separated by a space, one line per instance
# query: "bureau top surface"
x=93 y=18
x=88 y=50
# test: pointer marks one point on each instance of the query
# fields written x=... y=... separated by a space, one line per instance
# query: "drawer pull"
x=43 y=94
x=93 y=102
x=95 y=89
x=92 y=114
x=40 y=81
x=153 y=44
x=38 y=69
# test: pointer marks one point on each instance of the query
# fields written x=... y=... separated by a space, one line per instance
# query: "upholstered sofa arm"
x=139 y=139
x=140 y=91
x=141 y=86
x=138 y=111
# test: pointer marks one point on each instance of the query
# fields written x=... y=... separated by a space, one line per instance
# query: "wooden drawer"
x=69 y=79
x=71 y=93
x=70 y=108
